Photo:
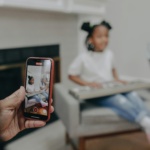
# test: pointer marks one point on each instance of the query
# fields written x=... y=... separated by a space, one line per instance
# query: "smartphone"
x=38 y=86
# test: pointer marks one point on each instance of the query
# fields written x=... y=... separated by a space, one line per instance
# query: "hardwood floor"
x=131 y=141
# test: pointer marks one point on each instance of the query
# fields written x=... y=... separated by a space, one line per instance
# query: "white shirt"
x=93 y=66
x=30 y=88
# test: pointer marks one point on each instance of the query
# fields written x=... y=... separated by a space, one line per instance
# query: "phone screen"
x=37 y=88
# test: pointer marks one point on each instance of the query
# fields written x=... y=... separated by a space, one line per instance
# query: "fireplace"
x=12 y=65
x=10 y=80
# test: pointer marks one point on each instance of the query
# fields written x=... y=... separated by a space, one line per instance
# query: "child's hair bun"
x=106 y=24
x=86 y=26
x=30 y=77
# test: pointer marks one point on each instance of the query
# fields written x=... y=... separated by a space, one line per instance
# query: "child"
x=96 y=66
x=44 y=87
x=31 y=89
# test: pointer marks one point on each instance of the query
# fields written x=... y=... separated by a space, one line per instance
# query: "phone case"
x=51 y=83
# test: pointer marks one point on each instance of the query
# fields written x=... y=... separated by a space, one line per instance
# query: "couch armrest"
x=67 y=108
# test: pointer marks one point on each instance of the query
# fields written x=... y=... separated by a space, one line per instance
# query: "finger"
x=15 y=99
x=34 y=124
x=51 y=109
x=51 y=101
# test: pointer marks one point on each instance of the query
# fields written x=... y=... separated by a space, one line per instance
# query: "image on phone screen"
x=37 y=87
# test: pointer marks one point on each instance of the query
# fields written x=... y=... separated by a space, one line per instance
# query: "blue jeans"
x=129 y=106
x=45 y=94
x=37 y=98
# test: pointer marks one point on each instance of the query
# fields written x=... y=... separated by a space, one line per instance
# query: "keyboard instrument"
x=108 y=89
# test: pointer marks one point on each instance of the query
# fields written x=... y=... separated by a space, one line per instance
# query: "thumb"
x=15 y=99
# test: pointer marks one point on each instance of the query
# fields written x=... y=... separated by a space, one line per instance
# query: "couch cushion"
x=52 y=136
x=94 y=115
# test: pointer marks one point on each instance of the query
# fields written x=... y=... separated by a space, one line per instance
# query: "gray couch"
x=50 y=137
x=90 y=120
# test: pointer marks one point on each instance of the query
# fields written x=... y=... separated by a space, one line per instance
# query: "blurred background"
x=51 y=28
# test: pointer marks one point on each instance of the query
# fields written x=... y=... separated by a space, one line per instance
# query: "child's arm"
x=79 y=81
x=116 y=77
x=115 y=74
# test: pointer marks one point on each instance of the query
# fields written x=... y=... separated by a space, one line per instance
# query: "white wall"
x=129 y=38
x=19 y=28
x=131 y=35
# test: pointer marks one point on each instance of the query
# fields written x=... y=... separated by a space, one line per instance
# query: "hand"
x=94 y=85
x=12 y=120
x=122 y=81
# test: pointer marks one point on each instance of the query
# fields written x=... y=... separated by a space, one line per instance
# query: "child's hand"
x=122 y=81
x=94 y=85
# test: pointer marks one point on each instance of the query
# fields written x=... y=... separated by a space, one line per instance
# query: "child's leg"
x=39 y=100
x=129 y=110
x=121 y=105
x=46 y=95
x=136 y=100
x=144 y=118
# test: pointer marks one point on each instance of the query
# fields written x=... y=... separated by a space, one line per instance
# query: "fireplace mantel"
x=61 y=6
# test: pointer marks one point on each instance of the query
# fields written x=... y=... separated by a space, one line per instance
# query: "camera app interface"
x=37 y=88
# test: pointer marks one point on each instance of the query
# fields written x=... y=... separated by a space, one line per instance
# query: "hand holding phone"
x=38 y=85
x=9 y=123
